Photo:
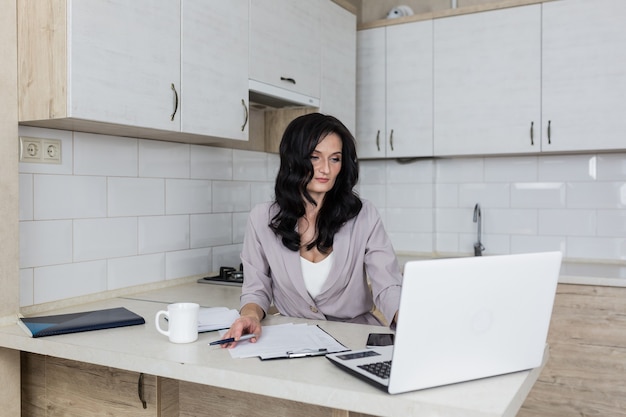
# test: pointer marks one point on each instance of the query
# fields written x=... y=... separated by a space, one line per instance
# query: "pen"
x=232 y=339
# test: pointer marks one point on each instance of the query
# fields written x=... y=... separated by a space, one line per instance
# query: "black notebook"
x=79 y=322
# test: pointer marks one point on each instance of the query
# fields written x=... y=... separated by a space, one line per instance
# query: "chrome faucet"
x=478 y=246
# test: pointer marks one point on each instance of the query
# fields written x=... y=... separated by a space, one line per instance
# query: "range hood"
x=271 y=96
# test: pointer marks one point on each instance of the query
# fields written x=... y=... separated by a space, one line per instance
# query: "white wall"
x=572 y=203
x=120 y=212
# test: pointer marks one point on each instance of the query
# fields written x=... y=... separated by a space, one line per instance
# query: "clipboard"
x=289 y=341
x=306 y=352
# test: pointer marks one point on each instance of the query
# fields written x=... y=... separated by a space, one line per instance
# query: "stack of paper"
x=288 y=341
x=216 y=318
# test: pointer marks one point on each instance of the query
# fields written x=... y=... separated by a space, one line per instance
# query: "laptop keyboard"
x=380 y=369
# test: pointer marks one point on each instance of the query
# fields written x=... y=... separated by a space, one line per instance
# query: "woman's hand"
x=248 y=322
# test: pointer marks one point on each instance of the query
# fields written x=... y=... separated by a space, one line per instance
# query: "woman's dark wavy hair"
x=340 y=204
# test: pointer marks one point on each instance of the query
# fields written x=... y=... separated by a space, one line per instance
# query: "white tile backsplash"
x=261 y=192
x=376 y=193
x=240 y=221
x=208 y=230
x=184 y=196
x=162 y=233
x=611 y=167
x=120 y=212
x=184 y=263
x=372 y=172
x=511 y=169
x=57 y=282
x=459 y=170
x=567 y=168
x=69 y=197
x=105 y=155
x=135 y=270
x=136 y=196
x=485 y=193
x=600 y=248
x=231 y=196
x=611 y=223
x=538 y=195
x=211 y=163
x=164 y=159
x=409 y=173
x=410 y=195
x=26 y=207
x=250 y=166
x=27 y=287
x=227 y=255
x=104 y=238
x=563 y=222
x=45 y=243
x=603 y=195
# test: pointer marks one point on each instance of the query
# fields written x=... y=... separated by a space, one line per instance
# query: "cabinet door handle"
x=391 y=139
x=549 y=132
x=288 y=79
x=378 y=140
x=245 y=122
x=175 y=102
x=532 y=134
x=140 y=391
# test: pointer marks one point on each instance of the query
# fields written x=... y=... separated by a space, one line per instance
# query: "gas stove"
x=228 y=276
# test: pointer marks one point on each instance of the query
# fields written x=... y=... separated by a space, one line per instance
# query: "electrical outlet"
x=52 y=151
x=39 y=150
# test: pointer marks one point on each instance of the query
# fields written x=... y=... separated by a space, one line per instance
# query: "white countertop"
x=309 y=380
x=580 y=272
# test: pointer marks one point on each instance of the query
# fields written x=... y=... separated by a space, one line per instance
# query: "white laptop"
x=462 y=319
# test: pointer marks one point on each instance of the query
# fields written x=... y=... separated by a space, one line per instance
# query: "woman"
x=309 y=251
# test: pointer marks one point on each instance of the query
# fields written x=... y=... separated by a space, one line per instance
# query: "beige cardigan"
x=272 y=273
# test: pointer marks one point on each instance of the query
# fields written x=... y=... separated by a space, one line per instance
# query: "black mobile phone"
x=379 y=339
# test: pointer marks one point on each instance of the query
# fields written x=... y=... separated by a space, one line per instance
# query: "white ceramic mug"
x=182 y=321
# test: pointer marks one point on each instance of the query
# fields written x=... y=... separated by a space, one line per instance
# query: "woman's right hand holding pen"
x=249 y=321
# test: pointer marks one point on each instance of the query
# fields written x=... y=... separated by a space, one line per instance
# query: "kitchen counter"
x=311 y=381
x=580 y=272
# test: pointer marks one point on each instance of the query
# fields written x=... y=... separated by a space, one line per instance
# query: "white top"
x=316 y=273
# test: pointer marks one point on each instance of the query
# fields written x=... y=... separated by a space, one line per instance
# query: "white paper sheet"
x=288 y=341
x=216 y=318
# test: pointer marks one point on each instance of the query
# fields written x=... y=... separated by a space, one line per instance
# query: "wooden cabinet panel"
x=204 y=401
x=584 y=75
x=487 y=70
x=59 y=387
x=33 y=384
x=587 y=338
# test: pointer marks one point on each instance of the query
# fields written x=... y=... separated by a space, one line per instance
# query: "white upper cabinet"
x=107 y=61
x=395 y=91
x=487 y=94
x=584 y=75
x=370 y=93
x=338 y=86
x=118 y=69
x=215 y=68
x=285 y=41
